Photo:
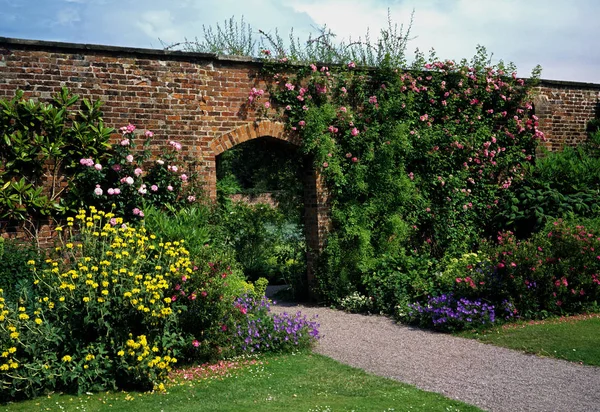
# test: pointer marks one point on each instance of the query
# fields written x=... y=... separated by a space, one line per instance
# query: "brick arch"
x=249 y=132
x=316 y=198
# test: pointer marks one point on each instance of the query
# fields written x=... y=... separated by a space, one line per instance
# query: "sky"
x=560 y=35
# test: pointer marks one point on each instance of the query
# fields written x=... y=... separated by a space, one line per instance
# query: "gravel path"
x=493 y=378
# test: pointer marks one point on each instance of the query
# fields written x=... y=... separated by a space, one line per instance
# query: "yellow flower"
x=86 y=299
x=69 y=245
x=23 y=316
x=67 y=358
x=121 y=353
x=89 y=357
x=38 y=321
x=12 y=350
x=14 y=335
x=31 y=262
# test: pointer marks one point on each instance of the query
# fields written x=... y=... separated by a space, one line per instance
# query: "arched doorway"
x=315 y=197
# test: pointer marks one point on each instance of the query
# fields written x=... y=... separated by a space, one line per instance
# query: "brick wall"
x=201 y=100
x=564 y=109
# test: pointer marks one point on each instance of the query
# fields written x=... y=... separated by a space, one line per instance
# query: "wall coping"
x=177 y=54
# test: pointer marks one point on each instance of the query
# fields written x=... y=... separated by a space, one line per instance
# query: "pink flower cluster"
x=255 y=93
x=127 y=129
x=176 y=145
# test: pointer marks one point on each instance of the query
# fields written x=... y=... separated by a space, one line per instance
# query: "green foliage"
x=257 y=234
x=554 y=272
x=129 y=181
x=558 y=184
x=414 y=160
x=232 y=38
x=41 y=142
x=236 y=38
x=15 y=274
x=264 y=166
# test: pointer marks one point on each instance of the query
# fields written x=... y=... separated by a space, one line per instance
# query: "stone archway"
x=316 y=199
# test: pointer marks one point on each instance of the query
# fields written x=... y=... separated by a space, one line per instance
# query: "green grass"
x=301 y=382
x=576 y=339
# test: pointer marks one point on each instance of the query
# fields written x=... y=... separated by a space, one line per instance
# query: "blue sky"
x=560 y=35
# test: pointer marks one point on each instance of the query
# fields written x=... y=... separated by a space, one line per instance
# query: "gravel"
x=492 y=378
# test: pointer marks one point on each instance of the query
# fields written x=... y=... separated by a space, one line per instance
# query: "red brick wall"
x=564 y=109
x=201 y=100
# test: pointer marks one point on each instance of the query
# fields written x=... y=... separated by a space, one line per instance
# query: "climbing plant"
x=415 y=159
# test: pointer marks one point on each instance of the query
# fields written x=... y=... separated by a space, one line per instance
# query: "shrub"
x=15 y=274
x=545 y=194
x=413 y=159
x=40 y=142
x=128 y=181
x=554 y=272
x=103 y=309
x=356 y=303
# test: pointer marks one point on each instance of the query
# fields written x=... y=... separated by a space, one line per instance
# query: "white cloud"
x=67 y=17
x=159 y=24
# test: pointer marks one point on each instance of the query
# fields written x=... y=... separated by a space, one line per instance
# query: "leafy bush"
x=545 y=193
x=128 y=181
x=15 y=275
x=41 y=140
x=102 y=309
x=356 y=303
x=413 y=159
x=117 y=307
x=554 y=272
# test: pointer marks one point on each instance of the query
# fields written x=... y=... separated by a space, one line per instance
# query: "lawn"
x=300 y=382
x=574 y=338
